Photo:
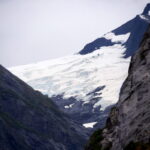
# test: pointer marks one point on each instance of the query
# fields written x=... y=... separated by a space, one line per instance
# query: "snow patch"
x=144 y=17
x=117 y=38
x=68 y=106
x=89 y=125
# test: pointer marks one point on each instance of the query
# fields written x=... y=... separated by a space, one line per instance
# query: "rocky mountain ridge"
x=31 y=121
x=136 y=27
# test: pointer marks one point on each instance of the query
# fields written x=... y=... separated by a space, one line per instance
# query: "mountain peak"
x=146 y=10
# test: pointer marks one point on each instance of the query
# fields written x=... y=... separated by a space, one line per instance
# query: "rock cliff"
x=128 y=125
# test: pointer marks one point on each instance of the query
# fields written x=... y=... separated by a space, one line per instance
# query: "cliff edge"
x=128 y=125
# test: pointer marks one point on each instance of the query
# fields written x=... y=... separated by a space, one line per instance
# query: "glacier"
x=77 y=75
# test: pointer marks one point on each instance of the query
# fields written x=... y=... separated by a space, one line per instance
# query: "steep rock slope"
x=31 y=121
x=86 y=86
x=128 y=126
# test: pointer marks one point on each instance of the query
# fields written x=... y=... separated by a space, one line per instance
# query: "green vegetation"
x=137 y=146
x=94 y=142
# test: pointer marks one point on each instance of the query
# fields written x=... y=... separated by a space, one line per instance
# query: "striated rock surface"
x=31 y=121
x=128 y=125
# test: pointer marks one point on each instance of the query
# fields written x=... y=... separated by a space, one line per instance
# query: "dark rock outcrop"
x=84 y=113
x=146 y=10
x=128 y=125
x=31 y=121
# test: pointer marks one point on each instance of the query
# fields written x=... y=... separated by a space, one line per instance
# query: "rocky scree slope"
x=128 y=125
x=31 y=121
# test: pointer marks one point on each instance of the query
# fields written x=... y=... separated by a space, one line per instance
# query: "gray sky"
x=35 y=30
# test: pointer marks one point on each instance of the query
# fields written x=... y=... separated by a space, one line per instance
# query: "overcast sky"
x=36 y=30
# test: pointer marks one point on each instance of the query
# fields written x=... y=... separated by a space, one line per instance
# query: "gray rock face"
x=129 y=121
x=31 y=121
